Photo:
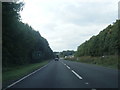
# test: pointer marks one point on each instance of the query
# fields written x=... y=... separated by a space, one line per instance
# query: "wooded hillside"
x=21 y=43
x=107 y=42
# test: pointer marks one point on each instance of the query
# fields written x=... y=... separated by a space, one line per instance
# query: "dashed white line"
x=68 y=67
x=64 y=64
x=61 y=61
x=77 y=74
x=73 y=71
x=93 y=89
x=86 y=83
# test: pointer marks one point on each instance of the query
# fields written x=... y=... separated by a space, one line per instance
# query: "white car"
x=56 y=59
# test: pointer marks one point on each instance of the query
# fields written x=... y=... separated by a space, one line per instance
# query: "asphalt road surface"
x=68 y=74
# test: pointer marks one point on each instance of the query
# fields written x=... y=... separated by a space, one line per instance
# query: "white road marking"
x=61 y=62
x=93 y=89
x=86 y=83
x=25 y=77
x=77 y=74
x=68 y=67
x=73 y=72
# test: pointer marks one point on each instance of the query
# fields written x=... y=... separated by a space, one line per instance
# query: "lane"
x=68 y=74
x=54 y=75
x=95 y=76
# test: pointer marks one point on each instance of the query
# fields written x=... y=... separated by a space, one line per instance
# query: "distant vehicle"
x=56 y=59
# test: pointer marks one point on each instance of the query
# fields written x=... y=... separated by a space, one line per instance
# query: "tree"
x=107 y=42
x=21 y=43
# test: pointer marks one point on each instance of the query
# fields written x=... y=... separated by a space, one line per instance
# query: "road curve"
x=68 y=74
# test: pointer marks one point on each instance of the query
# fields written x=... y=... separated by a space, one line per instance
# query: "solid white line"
x=77 y=74
x=25 y=77
x=68 y=67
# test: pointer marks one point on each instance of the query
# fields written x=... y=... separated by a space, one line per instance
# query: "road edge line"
x=25 y=76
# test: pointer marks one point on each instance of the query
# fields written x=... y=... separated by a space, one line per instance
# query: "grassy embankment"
x=107 y=61
x=14 y=73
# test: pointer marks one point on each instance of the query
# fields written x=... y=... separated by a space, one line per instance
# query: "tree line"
x=21 y=44
x=107 y=42
x=67 y=53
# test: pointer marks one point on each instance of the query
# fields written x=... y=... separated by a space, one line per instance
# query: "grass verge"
x=106 y=61
x=14 y=73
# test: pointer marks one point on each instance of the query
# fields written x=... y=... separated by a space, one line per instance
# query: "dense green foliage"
x=21 y=43
x=107 y=42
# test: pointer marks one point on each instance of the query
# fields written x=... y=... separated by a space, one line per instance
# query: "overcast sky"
x=68 y=23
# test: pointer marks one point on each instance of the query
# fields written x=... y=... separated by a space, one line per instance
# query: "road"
x=68 y=74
